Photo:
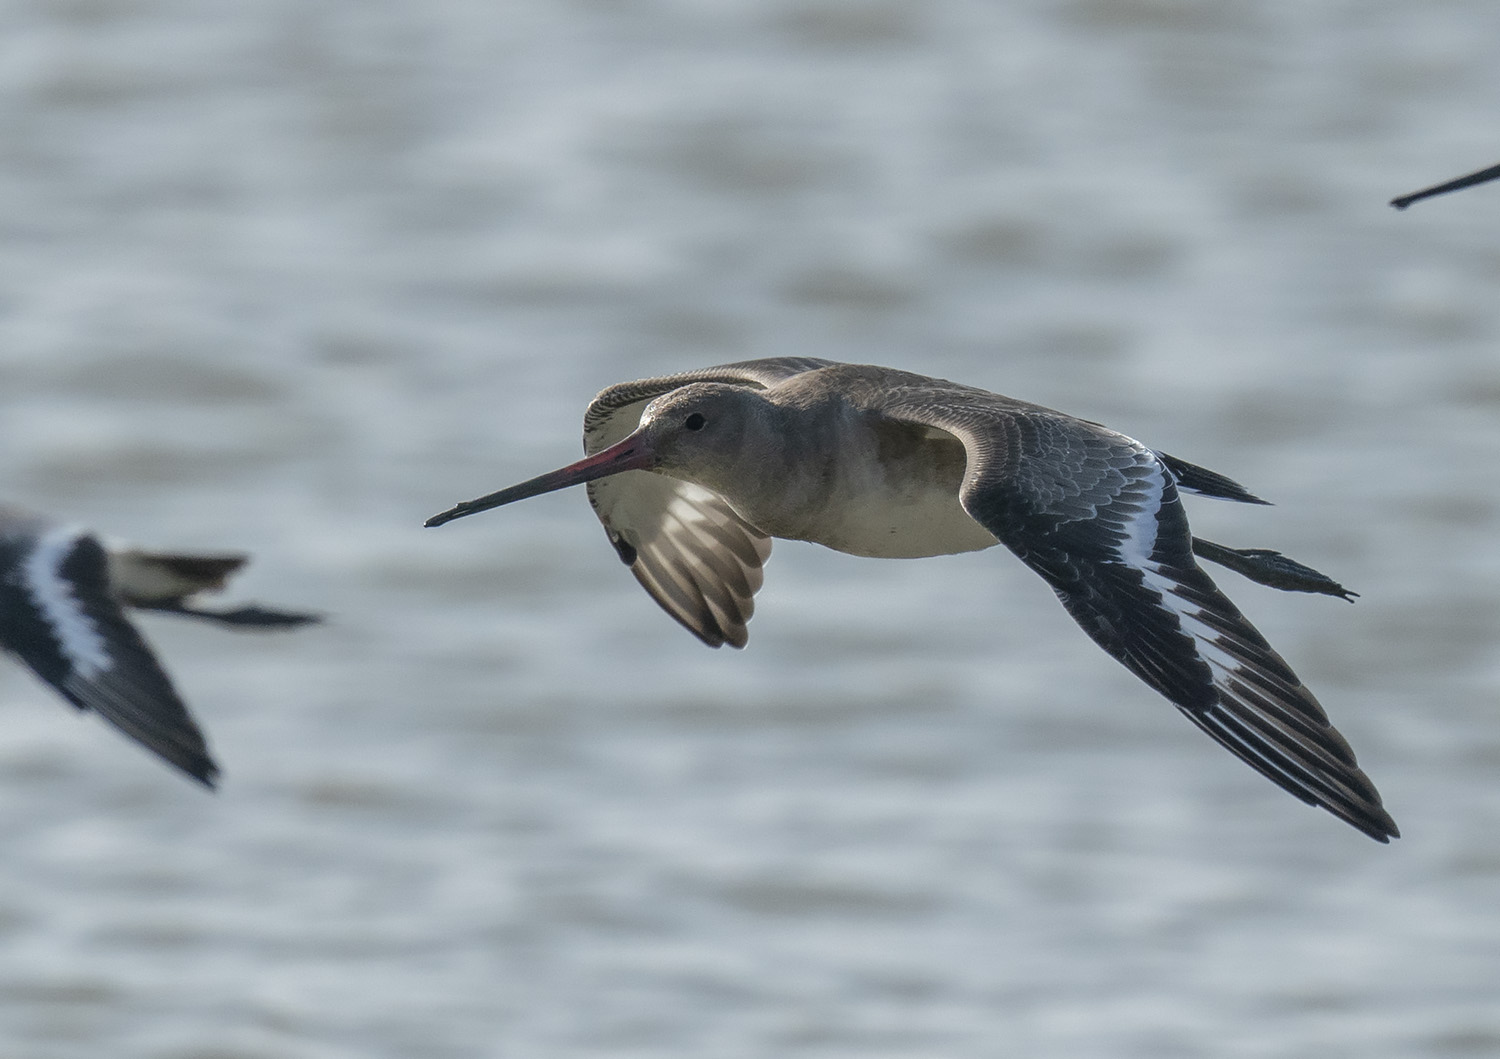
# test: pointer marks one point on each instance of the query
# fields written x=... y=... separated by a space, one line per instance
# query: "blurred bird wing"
x=59 y=615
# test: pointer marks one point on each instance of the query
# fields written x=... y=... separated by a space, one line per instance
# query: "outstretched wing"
x=1098 y=515
x=696 y=556
x=58 y=615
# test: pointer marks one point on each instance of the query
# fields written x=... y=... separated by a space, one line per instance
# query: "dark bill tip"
x=443 y=516
x=468 y=507
x=1468 y=180
x=631 y=454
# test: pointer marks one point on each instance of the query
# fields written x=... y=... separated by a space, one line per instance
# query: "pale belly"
x=904 y=531
x=878 y=523
x=874 y=487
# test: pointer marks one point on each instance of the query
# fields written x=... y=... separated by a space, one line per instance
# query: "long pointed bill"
x=632 y=454
x=1481 y=177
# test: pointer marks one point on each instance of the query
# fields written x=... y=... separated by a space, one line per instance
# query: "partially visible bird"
x=62 y=600
x=1483 y=176
x=693 y=474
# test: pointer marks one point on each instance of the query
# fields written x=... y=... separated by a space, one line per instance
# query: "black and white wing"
x=1098 y=516
x=59 y=616
x=690 y=550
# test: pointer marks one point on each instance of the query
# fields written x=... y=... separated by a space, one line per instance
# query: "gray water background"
x=291 y=276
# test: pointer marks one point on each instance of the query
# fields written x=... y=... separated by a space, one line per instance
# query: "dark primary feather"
x=1099 y=518
x=130 y=691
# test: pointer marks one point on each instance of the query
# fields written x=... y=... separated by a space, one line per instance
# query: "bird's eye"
x=694 y=421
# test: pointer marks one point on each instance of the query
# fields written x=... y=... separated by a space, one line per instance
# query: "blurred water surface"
x=292 y=276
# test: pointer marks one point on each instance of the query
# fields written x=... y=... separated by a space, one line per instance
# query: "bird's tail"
x=141 y=578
